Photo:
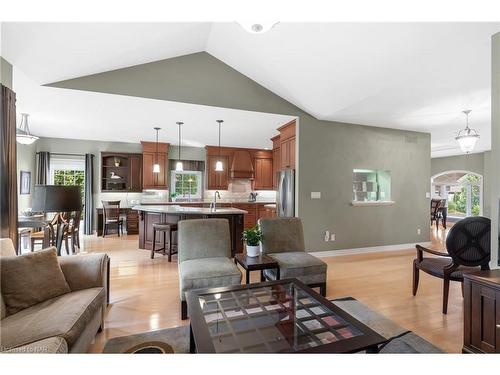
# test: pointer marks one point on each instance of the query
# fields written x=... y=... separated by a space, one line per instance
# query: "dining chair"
x=111 y=216
x=73 y=231
x=468 y=248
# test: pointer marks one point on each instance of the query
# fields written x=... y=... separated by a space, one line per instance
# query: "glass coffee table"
x=283 y=316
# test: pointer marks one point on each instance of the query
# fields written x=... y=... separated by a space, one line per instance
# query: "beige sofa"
x=64 y=324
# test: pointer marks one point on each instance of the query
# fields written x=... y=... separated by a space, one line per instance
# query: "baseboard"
x=364 y=250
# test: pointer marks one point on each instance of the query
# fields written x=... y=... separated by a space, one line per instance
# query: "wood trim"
x=151 y=147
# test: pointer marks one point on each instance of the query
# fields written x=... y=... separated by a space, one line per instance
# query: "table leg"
x=192 y=344
x=372 y=349
x=277 y=273
x=247 y=281
x=262 y=277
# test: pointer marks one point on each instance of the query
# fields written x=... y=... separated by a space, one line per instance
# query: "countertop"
x=181 y=210
x=208 y=201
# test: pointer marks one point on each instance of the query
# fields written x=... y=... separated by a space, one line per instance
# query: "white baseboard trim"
x=364 y=250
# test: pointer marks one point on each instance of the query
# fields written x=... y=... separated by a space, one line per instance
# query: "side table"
x=259 y=263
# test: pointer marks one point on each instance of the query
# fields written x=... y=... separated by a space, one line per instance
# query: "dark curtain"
x=8 y=166
x=89 y=194
x=43 y=168
x=188 y=165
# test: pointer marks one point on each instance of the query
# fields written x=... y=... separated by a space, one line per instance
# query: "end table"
x=258 y=263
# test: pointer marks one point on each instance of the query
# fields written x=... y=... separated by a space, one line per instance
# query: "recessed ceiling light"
x=257 y=27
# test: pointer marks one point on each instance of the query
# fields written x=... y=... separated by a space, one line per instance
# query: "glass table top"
x=275 y=318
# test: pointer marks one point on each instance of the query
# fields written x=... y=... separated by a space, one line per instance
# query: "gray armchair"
x=204 y=257
x=283 y=240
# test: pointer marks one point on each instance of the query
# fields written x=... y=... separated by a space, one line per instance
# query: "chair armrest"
x=421 y=249
x=86 y=271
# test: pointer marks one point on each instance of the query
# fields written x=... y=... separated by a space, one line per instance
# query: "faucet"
x=213 y=205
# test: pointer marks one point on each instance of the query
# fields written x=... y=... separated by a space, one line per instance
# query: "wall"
x=477 y=163
x=25 y=162
x=495 y=148
x=326 y=151
x=5 y=73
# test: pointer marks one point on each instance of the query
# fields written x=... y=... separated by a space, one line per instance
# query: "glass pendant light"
x=258 y=27
x=23 y=135
x=156 y=166
x=467 y=138
x=219 y=167
x=178 y=166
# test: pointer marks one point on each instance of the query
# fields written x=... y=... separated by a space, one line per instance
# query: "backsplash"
x=240 y=189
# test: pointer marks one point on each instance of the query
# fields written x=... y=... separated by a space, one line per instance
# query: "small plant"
x=173 y=195
x=252 y=236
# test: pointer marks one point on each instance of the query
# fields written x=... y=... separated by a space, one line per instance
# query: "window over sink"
x=186 y=184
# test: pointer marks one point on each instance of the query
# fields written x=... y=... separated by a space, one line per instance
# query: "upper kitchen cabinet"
x=276 y=159
x=287 y=145
x=121 y=172
x=151 y=180
x=217 y=180
x=263 y=166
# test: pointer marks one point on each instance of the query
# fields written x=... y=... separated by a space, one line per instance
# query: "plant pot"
x=253 y=251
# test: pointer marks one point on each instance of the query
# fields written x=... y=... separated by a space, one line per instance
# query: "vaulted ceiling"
x=415 y=76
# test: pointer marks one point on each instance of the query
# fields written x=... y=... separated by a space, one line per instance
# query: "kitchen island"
x=150 y=214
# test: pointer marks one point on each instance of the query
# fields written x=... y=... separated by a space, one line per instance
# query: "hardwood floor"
x=145 y=292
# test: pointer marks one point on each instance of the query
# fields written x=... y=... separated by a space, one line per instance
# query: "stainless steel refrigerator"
x=285 y=196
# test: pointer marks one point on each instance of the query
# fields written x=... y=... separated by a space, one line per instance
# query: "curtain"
x=8 y=166
x=43 y=168
x=89 y=194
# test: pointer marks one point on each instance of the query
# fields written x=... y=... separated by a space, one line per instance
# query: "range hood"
x=242 y=166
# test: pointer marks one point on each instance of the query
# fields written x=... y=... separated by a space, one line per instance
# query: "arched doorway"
x=463 y=191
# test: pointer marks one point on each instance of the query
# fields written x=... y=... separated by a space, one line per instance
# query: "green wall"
x=5 y=73
x=25 y=162
x=327 y=151
x=495 y=146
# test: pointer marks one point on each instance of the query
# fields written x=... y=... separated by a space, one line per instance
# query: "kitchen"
x=245 y=180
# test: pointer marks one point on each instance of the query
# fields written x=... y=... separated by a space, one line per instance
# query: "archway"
x=463 y=191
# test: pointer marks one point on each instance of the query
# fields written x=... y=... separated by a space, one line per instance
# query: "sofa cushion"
x=207 y=273
x=65 y=316
x=32 y=278
x=52 y=345
x=305 y=267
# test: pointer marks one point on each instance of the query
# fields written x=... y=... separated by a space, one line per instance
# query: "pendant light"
x=467 y=138
x=23 y=134
x=156 y=166
x=258 y=27
x=178 y=166
x=219 y=167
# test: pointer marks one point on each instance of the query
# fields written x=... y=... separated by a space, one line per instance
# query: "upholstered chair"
x=204 y=257
x=283 y=240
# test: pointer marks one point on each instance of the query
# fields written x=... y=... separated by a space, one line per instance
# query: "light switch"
x=315 y=195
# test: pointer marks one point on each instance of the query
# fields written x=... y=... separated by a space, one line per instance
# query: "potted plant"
x=252 y=238
x=173 y=196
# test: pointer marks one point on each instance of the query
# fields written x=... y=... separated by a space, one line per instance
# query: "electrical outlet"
x=332 y=237
x=315 y=194
x=419 y=232
x=327 y=236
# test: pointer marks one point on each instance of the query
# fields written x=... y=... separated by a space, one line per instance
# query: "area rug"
x=176 y=340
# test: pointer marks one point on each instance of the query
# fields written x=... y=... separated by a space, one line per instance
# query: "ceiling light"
x=467 y=138
x=257 y=27
x=23 y=135
x=156 y=166
x=219 y=167
x=178 y=166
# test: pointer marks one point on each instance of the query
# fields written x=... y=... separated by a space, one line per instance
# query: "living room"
x=166 y=189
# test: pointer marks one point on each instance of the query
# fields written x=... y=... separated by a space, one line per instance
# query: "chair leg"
x=169 y=245
x=154 y=243
x=164 y=242
x=66 y=245
x=32 y=245
x=184 y=310
x=118 y=229
x=73 y=243
x=446 y=290
x=416 y=277
x=462 y=287
x=322 y=289
x=104 y=231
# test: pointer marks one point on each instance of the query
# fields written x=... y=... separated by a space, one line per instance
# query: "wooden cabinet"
x=250 y=219
x=263 y=174
x=482 y=312
x=121 y=172
x=152 y=180
x=284 y=148
x=217 y=180
x=132 y=222
x=263 y=212
x=287 y=154
x=276 y=159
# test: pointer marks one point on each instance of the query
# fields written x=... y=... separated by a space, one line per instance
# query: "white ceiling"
x=416 y=76
x=74 y=114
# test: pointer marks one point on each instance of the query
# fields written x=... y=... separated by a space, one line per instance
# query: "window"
x=68 y=172
x=371 y=185
x=462 y=191
x=186 y=184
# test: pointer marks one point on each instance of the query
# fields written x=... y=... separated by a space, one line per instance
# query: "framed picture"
x=25 y=184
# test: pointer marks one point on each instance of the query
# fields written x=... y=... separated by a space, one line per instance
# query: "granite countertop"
x=208 y=201
x=181 y=210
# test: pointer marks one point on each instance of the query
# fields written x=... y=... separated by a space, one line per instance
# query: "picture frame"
x=25 y=183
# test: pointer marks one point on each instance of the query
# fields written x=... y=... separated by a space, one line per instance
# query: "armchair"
x=468 y=250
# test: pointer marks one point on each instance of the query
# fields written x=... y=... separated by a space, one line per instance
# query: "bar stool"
x=164 y=227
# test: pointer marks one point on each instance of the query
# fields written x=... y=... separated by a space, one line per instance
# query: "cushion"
x=435 y=266
x=303 y=266
x=65 y=316
x=281 y=235
x=30 y=279
x=207 y=273
x=52 y=345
